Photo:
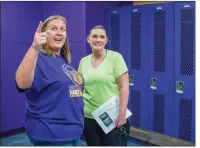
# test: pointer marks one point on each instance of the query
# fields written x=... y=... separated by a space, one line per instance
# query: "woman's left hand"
x=121 y=120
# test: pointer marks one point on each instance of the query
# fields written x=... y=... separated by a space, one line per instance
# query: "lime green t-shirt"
x=100 y=84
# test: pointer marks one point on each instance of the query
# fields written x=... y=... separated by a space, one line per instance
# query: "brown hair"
x=97 y=27
x=65 y=49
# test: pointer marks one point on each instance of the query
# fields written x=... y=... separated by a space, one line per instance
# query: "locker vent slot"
x=115 y=32
x=158 y=113
x=136 y=41
x=135 y=101
x=185 y=119
x=187 y=15
x=159 y=41
x=187 y=42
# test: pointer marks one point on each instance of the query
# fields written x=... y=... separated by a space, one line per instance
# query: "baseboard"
x=12 y=132
x=158 y=139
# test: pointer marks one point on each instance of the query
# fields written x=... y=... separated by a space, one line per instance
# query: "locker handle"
x=131 y=80
x=179 y=87
x=153 y=83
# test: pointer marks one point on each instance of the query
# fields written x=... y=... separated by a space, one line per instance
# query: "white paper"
x=107 y=114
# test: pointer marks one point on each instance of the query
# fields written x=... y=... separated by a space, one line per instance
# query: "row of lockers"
x=158 y=44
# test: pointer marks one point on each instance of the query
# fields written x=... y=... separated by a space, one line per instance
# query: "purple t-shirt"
x=54 y=108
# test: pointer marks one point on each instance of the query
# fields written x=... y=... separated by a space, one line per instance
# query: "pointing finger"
x=39 y=28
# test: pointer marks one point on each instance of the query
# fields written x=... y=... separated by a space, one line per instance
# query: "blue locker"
x=116 y=30
x=161 y=60
x=137 y=61
x=158 y=44
x=184 y=105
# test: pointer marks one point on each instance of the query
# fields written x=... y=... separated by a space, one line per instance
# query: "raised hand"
x=40 y=38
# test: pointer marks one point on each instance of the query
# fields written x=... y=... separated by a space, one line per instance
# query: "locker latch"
x=153 y=83
x=131 y=80
x=179 y=87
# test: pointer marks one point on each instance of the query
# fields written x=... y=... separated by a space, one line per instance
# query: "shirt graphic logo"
x=75 y=91
x=73 y=74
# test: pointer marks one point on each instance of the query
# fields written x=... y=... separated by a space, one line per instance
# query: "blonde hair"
x=65 y=52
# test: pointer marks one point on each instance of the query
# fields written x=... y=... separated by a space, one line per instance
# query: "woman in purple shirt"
x=54 y=109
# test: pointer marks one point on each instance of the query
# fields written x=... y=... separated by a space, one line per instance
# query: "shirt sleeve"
x=36 y=84
x=119 y=66
x=19 y=89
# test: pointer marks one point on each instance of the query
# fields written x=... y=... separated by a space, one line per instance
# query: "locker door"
x=161 y=59
x=137 y=54
x=116 y=30
x=184 y=106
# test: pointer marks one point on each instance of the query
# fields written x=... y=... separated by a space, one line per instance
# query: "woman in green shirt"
x=105 y=75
